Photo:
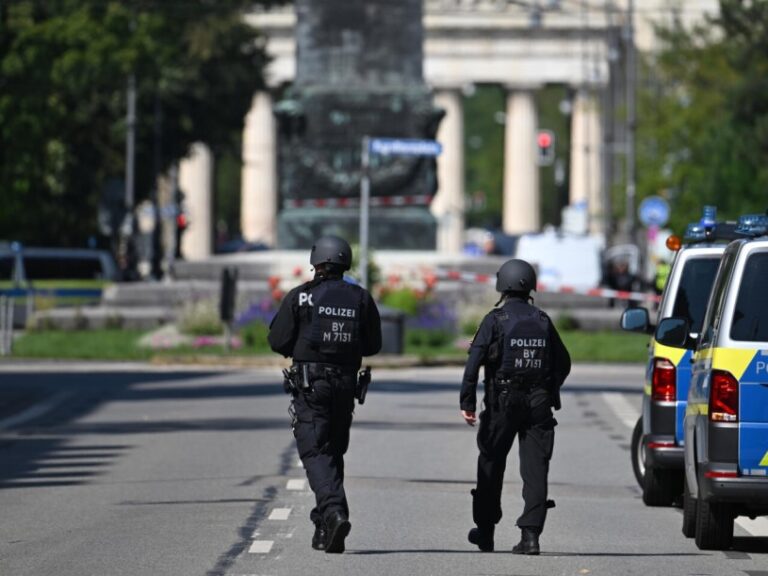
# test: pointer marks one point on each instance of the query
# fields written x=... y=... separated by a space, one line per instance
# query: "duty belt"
x=309 y=371
x=516 y=384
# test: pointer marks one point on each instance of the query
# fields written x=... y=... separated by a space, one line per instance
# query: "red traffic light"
x=544 y=139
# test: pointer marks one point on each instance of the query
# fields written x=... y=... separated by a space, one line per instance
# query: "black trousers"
x=500 y=423
x=323 y=416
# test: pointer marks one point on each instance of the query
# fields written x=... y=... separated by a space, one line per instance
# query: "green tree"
x=703 y=115
x=63 y=73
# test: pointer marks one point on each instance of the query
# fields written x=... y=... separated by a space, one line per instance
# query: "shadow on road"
x=544 y=554
x=754 y=545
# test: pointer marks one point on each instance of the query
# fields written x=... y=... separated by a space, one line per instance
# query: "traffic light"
x=545 y=144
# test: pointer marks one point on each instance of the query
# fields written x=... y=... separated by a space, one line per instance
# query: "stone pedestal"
x=395 y=228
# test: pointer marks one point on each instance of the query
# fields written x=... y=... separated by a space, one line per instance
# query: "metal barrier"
x=6 y=325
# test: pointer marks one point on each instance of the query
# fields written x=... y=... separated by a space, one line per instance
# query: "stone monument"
x=358 y=73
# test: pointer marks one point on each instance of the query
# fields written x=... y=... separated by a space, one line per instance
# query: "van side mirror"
x=673 y=332
x=635 y=320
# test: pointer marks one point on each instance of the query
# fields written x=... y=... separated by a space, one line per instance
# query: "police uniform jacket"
x=479 y=356
x=288 y=330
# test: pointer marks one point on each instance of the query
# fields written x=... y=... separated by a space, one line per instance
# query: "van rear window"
x=693 y=292
x=62 y=268
x=750 y=316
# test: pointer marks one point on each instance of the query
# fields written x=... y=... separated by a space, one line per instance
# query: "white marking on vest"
x=528 y=342
x=305 y=298
x=337 y=312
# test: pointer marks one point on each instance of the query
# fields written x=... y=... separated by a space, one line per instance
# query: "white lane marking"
x=261 y=547
x=34 y=411
x=299 y=463
x=756 y=527
x=622 y=408
x=295 y=484
x=280 y=514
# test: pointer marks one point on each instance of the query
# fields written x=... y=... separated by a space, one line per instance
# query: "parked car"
x=657 y=440
x=21 y=265
x=48 y=277
x=726 y=420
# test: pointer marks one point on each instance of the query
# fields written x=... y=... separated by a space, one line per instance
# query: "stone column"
x=196 y=182
x=258 y=195
x=521 y=173
x=448 y=204
x=586 y=169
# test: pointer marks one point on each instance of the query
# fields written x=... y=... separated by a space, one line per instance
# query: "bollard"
x=2 y=324
x=227 y=302
x=9 y=333
x=6 y=326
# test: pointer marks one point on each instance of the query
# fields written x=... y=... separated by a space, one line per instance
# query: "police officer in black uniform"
x=326 y=325
x=525 y=363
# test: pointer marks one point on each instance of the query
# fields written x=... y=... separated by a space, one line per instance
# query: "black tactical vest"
x=335 y=326
x=526 y=349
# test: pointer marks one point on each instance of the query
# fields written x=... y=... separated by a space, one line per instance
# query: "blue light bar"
x=753 y=225
x=709 y=217
x=695 y=232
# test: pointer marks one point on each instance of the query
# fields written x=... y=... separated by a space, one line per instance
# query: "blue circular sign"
x=653 y=211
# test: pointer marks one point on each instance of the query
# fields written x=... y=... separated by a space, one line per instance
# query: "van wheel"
x=714 y=526
x=661 y=486
x=689 y=512
x=637 y=453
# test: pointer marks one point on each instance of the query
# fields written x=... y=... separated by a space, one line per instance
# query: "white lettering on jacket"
x=528 y=342
x=305 y=298
x=337 y=312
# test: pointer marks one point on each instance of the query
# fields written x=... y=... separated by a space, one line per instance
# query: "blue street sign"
x=653 y=211
x=405 y=147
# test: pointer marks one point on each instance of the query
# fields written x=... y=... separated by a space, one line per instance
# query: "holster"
x=363 y=380
x=511 y=393
x=296 y=379
x=291 y=383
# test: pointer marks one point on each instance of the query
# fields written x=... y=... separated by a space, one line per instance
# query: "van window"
x=750 y=316
x=715 y=310
x=693 y=291
x=62 y=268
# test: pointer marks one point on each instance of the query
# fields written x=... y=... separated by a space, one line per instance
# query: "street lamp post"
x=631 y=82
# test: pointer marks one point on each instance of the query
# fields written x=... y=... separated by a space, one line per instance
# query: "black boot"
x=320 y=536
x=482 y=538
x=337 y=528
x=529 y=542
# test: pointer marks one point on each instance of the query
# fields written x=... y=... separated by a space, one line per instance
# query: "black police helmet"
x=331 y=250
x=515 y=276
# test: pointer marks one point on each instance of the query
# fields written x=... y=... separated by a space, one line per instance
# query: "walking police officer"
x=326 y=325
x=525 y=363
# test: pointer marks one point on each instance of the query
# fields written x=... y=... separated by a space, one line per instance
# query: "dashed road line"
x=280 y=514
x=296 y=484
x=622 y=408
x=261 y=547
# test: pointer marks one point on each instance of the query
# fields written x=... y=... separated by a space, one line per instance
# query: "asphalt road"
x=127 y=470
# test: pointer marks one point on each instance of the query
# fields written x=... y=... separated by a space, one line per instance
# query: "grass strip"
x=123 y=345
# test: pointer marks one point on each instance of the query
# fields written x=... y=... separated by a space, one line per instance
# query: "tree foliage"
x=703 y=121
x=64 y=66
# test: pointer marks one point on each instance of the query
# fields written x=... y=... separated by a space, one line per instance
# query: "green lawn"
x=122 y=345
x=605 y=346
x=84 y=345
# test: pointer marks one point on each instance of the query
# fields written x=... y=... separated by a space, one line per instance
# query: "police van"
x=657 y=441
x=726 y=420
